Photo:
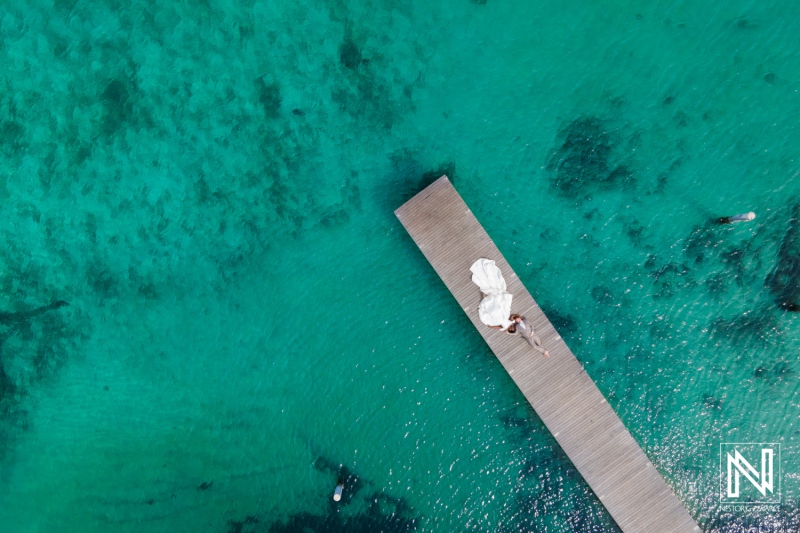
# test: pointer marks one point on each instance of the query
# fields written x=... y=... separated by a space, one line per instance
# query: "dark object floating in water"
x=298 y=112
x=205 y=485
x=784 y=281
x=744 y=217
x=769 y=77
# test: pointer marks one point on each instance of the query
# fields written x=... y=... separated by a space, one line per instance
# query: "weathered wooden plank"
x=558 y=388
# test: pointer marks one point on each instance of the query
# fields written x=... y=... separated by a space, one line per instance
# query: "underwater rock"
x=760 y=327
x=784 y=281
x=674 y=269
x=782 y=370
x=510 y=421
x=237 y=526
x=352 y=482
x=448 y=169
x=7 y=318
x=7 y=389
x=564 y=323
x=116 y=94
x=541 y=498
x=582 y=158
x=269 y=96
x=734 y=260
x=621 y=176
x=10 y=133
x=717 y=285
x=46 y=340
x=602 y=295
x=339 y=213
x=408 y=176
x=583 y=164
x=102 y=280
x=702 y=239
x=635 y=231
x=349 y=54
x=116 y=98
x=592 y=214
x=522 y=418
x=372 y=93
x=681 y=119
x=710 y=402
x=659 y=330
x=334 y=218
x=373 y=519
x=769 y=77
x=381 y=512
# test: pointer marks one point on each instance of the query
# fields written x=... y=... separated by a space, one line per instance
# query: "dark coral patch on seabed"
x=118 y=106
x=408 y=176
x=585 y=163
x=269 y=96
x=350 y=54
x=44 y=354
x=784 y=280
x=383 y=512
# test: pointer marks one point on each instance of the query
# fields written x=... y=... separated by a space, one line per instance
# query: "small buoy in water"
x=337 y=494
x=745 y=217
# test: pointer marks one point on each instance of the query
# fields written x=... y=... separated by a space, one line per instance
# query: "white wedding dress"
x=495 y=308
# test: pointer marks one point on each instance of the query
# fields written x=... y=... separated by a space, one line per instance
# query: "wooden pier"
x=558 y=388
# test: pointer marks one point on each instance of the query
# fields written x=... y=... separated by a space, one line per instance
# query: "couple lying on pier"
x=495 y=307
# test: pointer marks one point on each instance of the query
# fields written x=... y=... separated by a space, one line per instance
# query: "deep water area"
x=209 y=314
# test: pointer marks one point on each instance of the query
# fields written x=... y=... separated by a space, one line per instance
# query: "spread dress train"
x=495 y=308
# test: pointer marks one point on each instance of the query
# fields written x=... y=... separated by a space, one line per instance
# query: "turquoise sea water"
x=210 y=186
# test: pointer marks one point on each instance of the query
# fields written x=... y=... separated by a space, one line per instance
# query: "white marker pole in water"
x=745 y=217
x=337 y=494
